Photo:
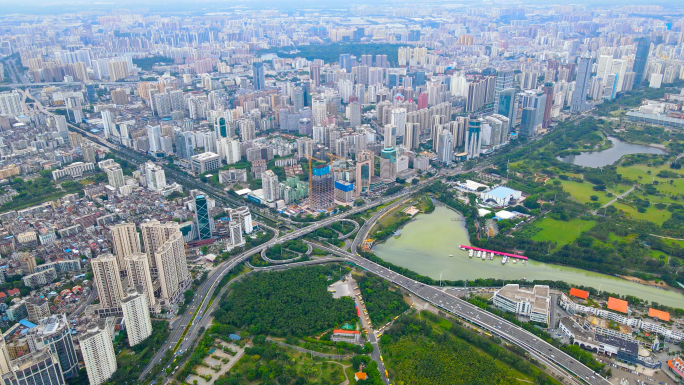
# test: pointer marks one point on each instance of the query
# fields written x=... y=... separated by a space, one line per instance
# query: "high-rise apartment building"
x=139 y=276
x=172 y=269
x=137 y=316
x=106 y=277
x=269 y=183
x=10 y=103
x=155 y=176
x=115 y=177
x=126 y=242
x=98 y=354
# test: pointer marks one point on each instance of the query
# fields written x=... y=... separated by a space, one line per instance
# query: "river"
x=426 y=243
x=610 y=155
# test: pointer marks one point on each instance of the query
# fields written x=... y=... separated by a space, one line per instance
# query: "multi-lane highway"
x=473 y=314
x=198 y=307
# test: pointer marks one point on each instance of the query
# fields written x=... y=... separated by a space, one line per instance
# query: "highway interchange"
x=194 y=318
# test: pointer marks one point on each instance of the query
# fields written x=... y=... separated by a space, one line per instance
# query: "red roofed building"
x=13 y=292
x=360 y=376
x=351 y=336
x=677 y=366
x=659 y=314
x=579 y=293
x=617 y=305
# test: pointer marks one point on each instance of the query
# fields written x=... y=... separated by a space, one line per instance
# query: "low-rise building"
x=204 y=162
x=525 y=302
x=350 y=336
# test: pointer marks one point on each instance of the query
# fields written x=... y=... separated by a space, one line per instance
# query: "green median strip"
x=187 y=328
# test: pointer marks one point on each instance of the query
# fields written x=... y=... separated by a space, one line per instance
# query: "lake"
x=426 y=243
x=611 y=155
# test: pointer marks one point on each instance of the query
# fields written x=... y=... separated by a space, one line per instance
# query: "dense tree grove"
x=417 y=353
x=292 y=302
x=382 y=303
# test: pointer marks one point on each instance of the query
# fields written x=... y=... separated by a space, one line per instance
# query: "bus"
x=381 y=360
x=386 y=374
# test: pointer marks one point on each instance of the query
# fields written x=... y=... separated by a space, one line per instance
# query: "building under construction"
x=322 y=187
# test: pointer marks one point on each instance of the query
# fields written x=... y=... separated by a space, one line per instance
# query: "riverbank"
x=427 y=243
x=659 y=284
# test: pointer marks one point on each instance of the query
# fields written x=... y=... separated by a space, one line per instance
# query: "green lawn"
x=674 y=242
x=583 y=192
x=641 y=170
x=561 y=232
x=652 y=214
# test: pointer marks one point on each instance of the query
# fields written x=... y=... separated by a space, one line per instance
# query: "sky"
x=43 y=7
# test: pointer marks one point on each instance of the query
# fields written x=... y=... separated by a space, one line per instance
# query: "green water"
x=426 y=243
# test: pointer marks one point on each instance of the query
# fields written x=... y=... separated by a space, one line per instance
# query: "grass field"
x=583 y=192
x=652 y=214
x=641 y=170
x=674 y=242
x=561 y=232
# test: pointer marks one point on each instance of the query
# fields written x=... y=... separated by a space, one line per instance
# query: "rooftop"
x=502 y=192
x=617 y=305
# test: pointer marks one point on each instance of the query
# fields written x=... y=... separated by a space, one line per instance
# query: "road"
x=86 y=302
x=616 y=198
x=473 y=314
x=198 y=307
x=311 y=352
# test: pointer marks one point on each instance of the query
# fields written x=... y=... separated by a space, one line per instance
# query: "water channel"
x=610 y=155
x=426 y=243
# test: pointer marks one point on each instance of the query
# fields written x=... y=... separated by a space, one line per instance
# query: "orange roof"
x=617 y=305
x=659 y=314
x=361 y=375
x=342 y=331
x=579 y=293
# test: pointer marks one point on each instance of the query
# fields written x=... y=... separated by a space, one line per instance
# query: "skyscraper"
x=446 y=148
x=106 y=277
x=316 y=75
x=640 y=58
x=98 y=354
x=139 y=276
x=258 y=75
x=204 y=222
x=154 y=138
x=269 y=183
x=364 y=171
x=582 y=83
x=508 y=104
x=137 y=316
x=322 y=187
x=172 y=269
x=345 y=62
x=115 y=177
x=390 y=135
x=125 y=241
x=473 y=139
x=388 y=165
x=412 y=136
x=548 y=91
x=504 y=81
